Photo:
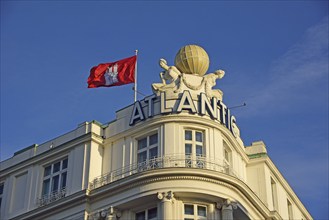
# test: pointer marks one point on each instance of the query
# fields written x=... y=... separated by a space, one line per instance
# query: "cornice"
x=54 y=152
x=267 y=160
x=86 y=197
x=54 y=207
x=168 y=174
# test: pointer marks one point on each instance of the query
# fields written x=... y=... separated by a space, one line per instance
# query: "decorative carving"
x=227 y=204
x=170 y=78
x=192 y=59
x=166 y=196
x=210 y=81
x=160 y=195
x=110 y=213
x=170 y=195
x=173 y=82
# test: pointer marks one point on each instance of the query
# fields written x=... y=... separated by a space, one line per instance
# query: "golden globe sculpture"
x=192 y=59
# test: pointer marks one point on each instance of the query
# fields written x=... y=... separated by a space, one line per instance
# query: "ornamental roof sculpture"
x=191 y=64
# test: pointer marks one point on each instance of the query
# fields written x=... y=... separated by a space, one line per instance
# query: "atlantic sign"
x=217 y=110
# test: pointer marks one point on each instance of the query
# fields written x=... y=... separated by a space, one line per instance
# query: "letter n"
x=205 y=105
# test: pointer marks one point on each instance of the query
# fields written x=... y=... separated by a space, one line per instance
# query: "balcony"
x=169 y=161
x=49 y=198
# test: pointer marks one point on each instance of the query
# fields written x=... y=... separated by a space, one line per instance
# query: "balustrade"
x=53 y=196
x=190 y=161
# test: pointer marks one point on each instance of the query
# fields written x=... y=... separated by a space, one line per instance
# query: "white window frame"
x=194 y=143
x=227 y=158
x=195 y=215
x=147 y=148
x=60 y=173
x=146 y=212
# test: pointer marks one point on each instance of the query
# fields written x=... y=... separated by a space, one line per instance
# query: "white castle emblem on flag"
x=111 y=75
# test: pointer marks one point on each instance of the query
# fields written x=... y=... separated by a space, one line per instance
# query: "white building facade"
x=176 y=154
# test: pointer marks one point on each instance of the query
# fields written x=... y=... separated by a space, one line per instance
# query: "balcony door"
x=194 y=148
x=147 y=152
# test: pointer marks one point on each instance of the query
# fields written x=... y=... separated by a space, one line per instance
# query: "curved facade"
x=177 y=154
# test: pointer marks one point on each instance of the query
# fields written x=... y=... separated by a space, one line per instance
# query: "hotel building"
x=176 y=154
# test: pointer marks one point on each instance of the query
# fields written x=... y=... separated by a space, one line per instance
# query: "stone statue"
x=169 y=77
x=188 y=73
x=210 y=81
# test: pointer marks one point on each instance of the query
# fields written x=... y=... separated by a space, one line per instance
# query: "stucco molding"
x=171 y=174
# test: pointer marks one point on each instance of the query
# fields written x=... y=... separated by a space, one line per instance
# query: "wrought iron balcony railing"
x=53 y=196
x=188 y=161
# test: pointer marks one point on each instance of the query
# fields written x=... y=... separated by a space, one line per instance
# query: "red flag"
x=113 y=74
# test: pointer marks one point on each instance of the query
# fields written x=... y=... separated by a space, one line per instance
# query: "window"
x=194 y=212
x=227 y=158
x=150 y=214
x=1 y=192
x=194 y=148
x=54 y=180
x=273 y=191
x=147 y=150
x=290 y=213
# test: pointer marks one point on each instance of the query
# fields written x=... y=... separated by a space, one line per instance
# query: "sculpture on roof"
x=169 y=77
x=191 y=64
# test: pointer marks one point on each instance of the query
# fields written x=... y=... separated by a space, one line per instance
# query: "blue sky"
x=275 y=54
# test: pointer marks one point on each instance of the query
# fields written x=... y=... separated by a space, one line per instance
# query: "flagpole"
x=135 y=86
